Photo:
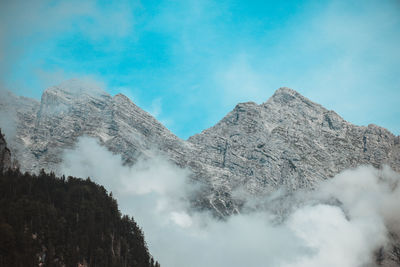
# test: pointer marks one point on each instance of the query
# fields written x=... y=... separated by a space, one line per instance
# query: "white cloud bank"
x=316 y=233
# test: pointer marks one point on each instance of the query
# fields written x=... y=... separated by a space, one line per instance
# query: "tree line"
x=51 y=221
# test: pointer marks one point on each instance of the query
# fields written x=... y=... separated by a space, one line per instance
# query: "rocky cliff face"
x=287 y=141
x=5 y=155
x=68 y=111
x=291 y=141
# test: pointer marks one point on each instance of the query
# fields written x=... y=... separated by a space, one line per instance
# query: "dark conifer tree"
x=59 y=221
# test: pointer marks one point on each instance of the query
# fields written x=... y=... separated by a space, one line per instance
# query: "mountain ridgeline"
x=50 y=221
x=288 y=141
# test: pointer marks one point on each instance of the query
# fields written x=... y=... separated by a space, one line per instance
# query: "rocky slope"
x=5 y=156
x=65 y=112
x=291 y=141
x=287 y=141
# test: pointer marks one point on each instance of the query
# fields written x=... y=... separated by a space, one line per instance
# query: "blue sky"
x=190 y=62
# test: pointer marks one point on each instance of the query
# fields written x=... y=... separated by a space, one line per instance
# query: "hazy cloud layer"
x=314 y=232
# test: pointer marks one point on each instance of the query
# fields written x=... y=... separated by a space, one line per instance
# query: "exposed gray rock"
x=17 y=121
x=287 y=141
x=5 y=155
x=291 y=141
x=389 y=256
x=68 y=111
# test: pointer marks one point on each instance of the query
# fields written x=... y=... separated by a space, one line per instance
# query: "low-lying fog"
x=341 y=223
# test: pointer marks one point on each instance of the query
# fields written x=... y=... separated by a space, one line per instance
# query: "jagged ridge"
x=287 y=141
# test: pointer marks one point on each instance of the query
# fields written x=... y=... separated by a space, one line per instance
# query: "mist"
x=343 y=222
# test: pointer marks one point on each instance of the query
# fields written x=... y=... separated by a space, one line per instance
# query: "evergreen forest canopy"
x=50 y=221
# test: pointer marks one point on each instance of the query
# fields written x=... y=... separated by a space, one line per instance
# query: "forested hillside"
x=50 y=221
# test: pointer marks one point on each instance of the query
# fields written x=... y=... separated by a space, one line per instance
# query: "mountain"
x=292 y=141
x=287 y=141
x=68 y=111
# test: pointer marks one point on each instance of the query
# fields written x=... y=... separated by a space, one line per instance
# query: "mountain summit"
x=292 y=141
x=287 y=141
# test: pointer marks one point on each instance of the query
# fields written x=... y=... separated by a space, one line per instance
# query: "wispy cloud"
x=28 y=28
x=331 y=226
x=202 y=58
